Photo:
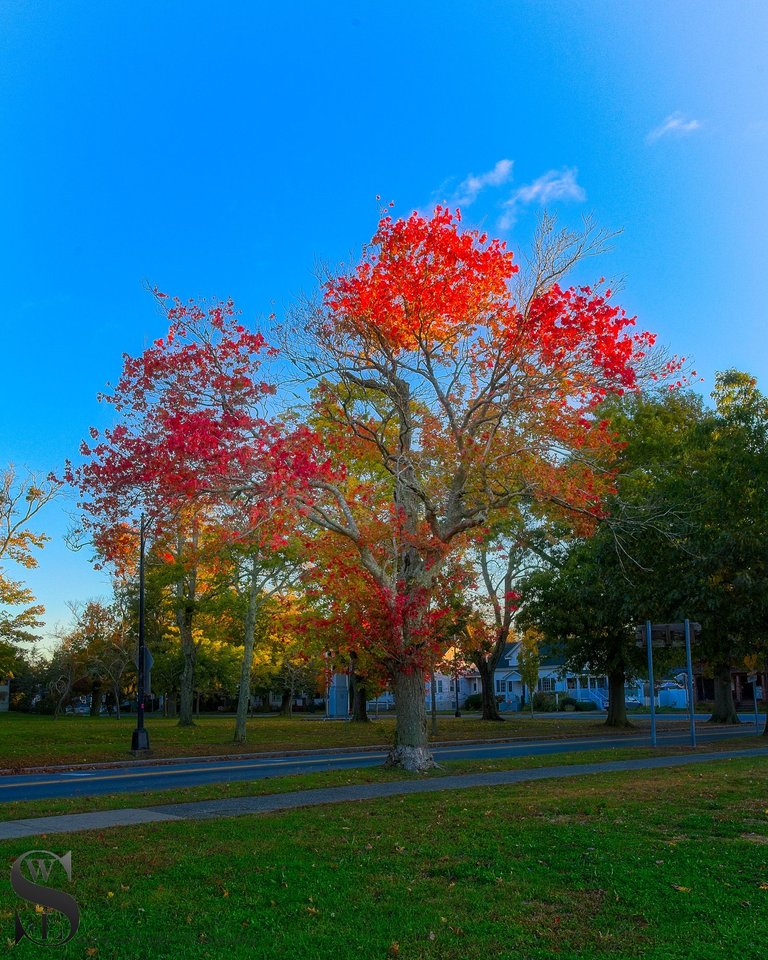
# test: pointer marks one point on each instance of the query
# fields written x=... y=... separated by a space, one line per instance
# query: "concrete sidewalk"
x=241 y=806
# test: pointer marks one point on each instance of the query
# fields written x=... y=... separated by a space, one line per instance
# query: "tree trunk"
x=186 y=594
x=487 y=693
x=286 y=705
x=197 y=704
x=360 y=703
x=724 y=710
x=189 y=653
x=244 y=691
x=95 y=708
x=617 y=705
x=357 y=692
x=116 y=693
x=411 y=747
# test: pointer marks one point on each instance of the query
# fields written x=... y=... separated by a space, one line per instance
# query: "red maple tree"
x=190 y=431
x=458 y=401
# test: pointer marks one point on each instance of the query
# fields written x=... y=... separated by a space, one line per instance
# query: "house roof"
x=549 y=656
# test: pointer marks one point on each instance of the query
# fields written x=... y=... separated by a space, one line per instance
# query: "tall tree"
x=471 y=392
x=108 y=646
x=590 y=596
x=21 y=499
x=728 y=481
x=529 y=660
x=190 y=426
x=683 y=538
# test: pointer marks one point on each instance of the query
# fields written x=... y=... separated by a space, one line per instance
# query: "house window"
x=474 y=686
x=450 y=686
x=499 y=686
x=439 y=686
x=571 y=682
x=547 y=684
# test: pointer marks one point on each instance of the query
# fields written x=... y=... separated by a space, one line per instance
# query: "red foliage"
x=190 y=428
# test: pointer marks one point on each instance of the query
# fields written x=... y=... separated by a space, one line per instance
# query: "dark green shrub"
x=568 y=702
x=475 y=701
x=544 y=702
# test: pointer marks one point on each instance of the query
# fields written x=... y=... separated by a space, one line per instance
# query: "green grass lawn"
x=664 y=865
x=31 y=740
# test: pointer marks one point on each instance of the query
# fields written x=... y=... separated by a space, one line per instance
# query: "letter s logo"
x=39 y=864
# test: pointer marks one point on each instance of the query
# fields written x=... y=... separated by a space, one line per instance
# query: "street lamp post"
x=140 y=738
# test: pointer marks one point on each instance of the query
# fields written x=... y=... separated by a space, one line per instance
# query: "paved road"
x=240 y=806
x=197 y=772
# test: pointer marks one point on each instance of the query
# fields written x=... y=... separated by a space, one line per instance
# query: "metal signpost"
x=669 y=635
x=651 y=685
x=752 y=678
x=689 y=668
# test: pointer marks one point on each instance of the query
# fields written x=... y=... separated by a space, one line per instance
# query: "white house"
x=508 y=685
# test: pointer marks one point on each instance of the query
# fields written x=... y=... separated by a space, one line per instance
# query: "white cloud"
x=468 y=189
x=553 y=185
x=675 y=125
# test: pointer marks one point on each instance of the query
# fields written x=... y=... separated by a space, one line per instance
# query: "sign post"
x=689 y=668
x=669 y=635
x=651 y=690
x=752 y=678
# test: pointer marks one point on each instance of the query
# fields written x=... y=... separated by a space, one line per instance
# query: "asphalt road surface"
x=192 y=773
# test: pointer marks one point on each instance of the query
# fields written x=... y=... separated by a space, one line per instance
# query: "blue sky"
x=225 y=149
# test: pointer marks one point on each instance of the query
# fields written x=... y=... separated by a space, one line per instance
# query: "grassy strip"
x=27 y=739
x=23 y=809
x=38 y=741
x=668 y=866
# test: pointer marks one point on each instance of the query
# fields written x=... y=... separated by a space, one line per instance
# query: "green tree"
x=529 y=660
x=21 y=498
x=728 y=479
x=594 y=591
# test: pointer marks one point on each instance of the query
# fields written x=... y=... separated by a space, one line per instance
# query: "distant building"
x=554 y=678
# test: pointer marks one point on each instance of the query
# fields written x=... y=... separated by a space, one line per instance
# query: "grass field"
x=29 y=740
x=662 y=865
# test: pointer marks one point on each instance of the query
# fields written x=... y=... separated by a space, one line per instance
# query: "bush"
x=475 y=701
x=544 y=702
x=47 y=706
x=585 y=705
x=566 y=702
